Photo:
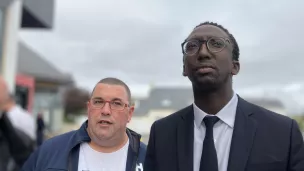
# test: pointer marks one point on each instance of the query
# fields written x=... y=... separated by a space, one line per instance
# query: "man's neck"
x=213 y=101
x=111 y=146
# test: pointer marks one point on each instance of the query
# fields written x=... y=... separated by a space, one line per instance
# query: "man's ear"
x=88 y=107
x=184 y=72
x=130 y=114
x=235 y=67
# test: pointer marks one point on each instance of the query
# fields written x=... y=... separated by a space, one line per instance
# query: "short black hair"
x=115 y=81
x=236 y=50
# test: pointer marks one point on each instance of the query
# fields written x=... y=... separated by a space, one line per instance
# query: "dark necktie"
x=209 y=157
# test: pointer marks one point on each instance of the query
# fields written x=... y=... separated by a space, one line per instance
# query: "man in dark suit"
x=221 y=131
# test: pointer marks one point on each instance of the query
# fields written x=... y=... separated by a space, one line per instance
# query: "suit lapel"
x=243 y=137
x=185 y=134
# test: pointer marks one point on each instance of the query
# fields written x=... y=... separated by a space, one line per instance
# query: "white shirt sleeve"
x=23 y=121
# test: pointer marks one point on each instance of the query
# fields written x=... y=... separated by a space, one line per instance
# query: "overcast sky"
x=139 y=41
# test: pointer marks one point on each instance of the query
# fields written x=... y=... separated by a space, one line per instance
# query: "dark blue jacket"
x=61 y=153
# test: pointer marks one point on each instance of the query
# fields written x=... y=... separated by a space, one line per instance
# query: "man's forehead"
x=207 y=31
x=110 y=88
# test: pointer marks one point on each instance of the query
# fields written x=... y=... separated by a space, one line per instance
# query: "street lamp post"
x=10 y=38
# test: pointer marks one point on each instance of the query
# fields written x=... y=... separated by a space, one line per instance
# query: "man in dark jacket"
x=102 y=143
x=40 y=129
x=15 y=145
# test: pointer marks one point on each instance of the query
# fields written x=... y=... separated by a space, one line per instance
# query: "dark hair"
x=115 y=81
x=236 y=50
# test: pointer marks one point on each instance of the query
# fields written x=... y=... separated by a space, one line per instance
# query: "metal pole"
x=1 y=37
x=11 y=26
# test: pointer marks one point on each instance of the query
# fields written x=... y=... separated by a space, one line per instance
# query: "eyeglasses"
x=214 y=45
x=114 y=105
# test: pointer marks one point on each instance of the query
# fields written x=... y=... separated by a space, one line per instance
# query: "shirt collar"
x=226 y=114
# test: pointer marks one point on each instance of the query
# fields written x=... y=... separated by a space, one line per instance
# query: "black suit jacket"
x=262 y=141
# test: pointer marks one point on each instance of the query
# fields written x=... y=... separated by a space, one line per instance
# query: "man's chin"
x=205 y=84
x=104 y=135
x=205 y=81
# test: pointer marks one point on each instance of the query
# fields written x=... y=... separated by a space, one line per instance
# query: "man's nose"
x=106 y=109
x=203 y=53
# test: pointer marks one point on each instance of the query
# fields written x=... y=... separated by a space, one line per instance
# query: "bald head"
x=114 y=81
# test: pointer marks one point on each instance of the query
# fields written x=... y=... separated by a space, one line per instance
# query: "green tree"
x=300 y=121
x=75 y=100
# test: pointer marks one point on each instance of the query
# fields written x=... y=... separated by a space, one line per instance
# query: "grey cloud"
x=135 y=50
x=138 y=51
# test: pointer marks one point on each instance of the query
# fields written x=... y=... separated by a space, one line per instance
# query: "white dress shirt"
x=222 y=132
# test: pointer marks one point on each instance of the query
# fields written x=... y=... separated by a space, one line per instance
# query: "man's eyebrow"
x=97 y=98
x=203 y=37
x=116 y=99
x=113 y=99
